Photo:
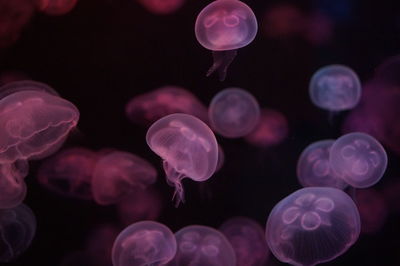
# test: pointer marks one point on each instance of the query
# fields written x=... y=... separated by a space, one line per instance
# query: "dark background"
x=104 y=52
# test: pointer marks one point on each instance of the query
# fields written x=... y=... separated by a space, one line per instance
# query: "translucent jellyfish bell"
x=312 y=225
x=144 y=243
x=335 y=88
x=202 y=245
x=233 y=112
x=188 y=148
x=314 y=169
x=224 y=26
x=359 y=159
x=12 y=185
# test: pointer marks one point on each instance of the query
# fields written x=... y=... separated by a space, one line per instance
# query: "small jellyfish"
x=335 y=88
x=359 y=159
x=149 y=107
x=248 y=240
x=144 y=243
x=202 y=245
x=162 y=7
x=188 y=148
x=117 y=173
x=233 y=112
x=56 y=7
x=224 y=26
x=312 y=225
x=17 y=229
x=69 y=173
x=314 y=169
x=12 y=185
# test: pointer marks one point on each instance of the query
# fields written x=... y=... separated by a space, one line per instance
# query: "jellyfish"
x=359 y=159
x=99 y=244
x=188 y=148
x=233 y=112
x=335 y=88
x=56 y=7
x=144 y=243
x=314 y=169
x=69 y=173
x=312 y=225
x=248 y=240
x=12 y=185
x=149 y=107
x=162 y=7
x=117 y=173
x=17 y=229
x=224 y=26
x=202 y=245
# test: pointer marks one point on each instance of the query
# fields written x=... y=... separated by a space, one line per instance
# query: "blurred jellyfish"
x=221 y=158
x=224 y=26
x=17 y=229
x=117 y=173
x=144 y=243
x=248 y=240
x=271 y=129
x=139 y=205
x=387 y=73
x=313 y=167
x=319 y=29
x=12 y=185
x=373 y=210
x=335 y=88
x=56 y=7
x=162 y=7
x=312 y=225
x=149 y=107
x=359 y=159
x=202 y=245
x=99 y=244
x=188 y=148
x=233 y=113
x=69 y=173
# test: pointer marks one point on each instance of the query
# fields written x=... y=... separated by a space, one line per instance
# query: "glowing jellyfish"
x=162 y=7
x=224 y=26
x=56 y=7
x=188 y=148
x=12 y=185
x=202 y=245
x=118 y=173
x=248 y=240
x=149 y=107
x=314 y=169
x=99 y=244
x=69 y=173
x=17 y=229
x=233 y=112
x=335 y=88
x=144 y=243
x=359 y=159
x=312 y=225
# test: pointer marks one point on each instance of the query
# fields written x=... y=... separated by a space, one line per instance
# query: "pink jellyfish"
x=12 y=185
x=34 y=123
x=162 y=7
x=69 y=173
x=117 y=174
x=56 y=7
x=188 y=148
x=149 y=107
x=202 y=245
x=312 y=225
x=224 y=26
x=248 y=240
x=144 y=243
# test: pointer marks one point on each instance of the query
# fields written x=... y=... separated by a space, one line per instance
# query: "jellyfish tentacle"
x=174 y=179
x=222 y=60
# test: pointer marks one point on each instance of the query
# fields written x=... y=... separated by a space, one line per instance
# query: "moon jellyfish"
x=117 y=173
x=233 y=112
x=12 y=185
x=144 y=243
x=247 y=239
x=162 y=7
x=202 y=245
x=359 y=159
x=335 y=88
x=56 y=7
x=312 y=225
x=188 y=148
x=149 y=107
x=314 y=169
x=69 y=173
x=17 y=229
x=224 y=26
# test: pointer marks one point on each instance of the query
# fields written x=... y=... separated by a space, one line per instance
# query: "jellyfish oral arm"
x=222 y=60
x=174 y=179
